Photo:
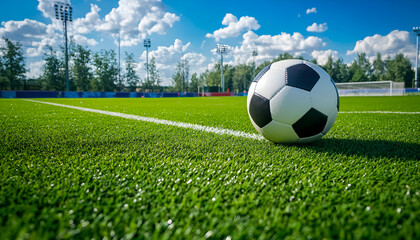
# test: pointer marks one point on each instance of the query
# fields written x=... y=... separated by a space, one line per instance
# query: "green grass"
x=65 y=173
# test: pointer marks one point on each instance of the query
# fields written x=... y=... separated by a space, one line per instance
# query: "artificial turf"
x=65 y=173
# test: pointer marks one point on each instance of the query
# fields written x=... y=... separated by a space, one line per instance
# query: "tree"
x=130 y=76
x=196 y=83
x=154 y=78
x=212 y=78
x=242 y=77
x=360 y=69
x=12 y=65
x=284 y=56
x=399 y=70
x=106 y=71
x=336 y=69
x=329 y=67
x=4 y=83
x=177 y=78
x=180 y=78
x=154 y=73
x=344 y=73
x=81 y=69
x=378 y=68
x=53 y=77
x=228 y=72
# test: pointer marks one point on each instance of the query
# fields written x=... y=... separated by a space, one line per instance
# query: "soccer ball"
x=292 y=101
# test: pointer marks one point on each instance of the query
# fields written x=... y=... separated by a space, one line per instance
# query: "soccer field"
x=72 y=173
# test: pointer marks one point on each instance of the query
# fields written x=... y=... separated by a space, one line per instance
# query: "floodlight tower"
x=254 y=54
x=63 y=12
x=222 y=49
x=147 y=46
x=119 y=61
x=417 y=31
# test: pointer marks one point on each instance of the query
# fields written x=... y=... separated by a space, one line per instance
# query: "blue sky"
x=192 y=28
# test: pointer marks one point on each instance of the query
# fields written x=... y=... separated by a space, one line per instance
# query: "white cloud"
x=388 y=45
x=23 y=30
x=196 y=62
x=47 y=8
x=132 y=19
x=163 y=54
x=33 y=35
x=88 y=23
x=311 y=10
x=35 y=69
x=270 y=46
x=82 y=40
x=323 y=55
x=234 y=27
x=135 y=19
x=168 y=57
x=317 y=27
x=38 y=47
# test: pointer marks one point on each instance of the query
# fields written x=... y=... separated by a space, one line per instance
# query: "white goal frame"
x=374 y=88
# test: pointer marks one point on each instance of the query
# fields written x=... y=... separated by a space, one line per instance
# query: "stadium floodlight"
x=222 y=49
x=147 y=45
x=119 y=60
x=63 y=12
x=254 y=54
x=417 y=31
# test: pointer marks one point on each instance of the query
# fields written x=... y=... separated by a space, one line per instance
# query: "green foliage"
x=71 y=174
x=99 y=71
x=213 y=77
x=242 y=77
x=378 y=69
x=153 y=83
x=399 y=69
x=180 y=80
x=130 y=76
x=360 y=68
x=53 y=77
x=106 y=71
x=12 y=65
x=196 y=82
x=337 y=70
x=81 y=70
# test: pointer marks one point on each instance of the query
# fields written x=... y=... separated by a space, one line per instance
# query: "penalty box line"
x=216 y=130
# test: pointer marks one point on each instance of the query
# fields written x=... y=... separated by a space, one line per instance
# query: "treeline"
x=88 y=71
x=99 y=71
x=399 y=69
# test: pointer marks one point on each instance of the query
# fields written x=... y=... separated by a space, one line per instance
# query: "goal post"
x=375 y=88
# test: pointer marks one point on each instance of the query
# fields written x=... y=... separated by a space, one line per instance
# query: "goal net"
x=377 y=88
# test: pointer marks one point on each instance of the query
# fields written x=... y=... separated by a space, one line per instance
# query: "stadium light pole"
x=222 y=49
x=63 y=12
x=254 y=54
x=147 y=45
x=417 y=31
x=119 y=60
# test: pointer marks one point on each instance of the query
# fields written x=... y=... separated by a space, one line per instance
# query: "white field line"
x=215 y=130
x=383 y=112
x=197 y=127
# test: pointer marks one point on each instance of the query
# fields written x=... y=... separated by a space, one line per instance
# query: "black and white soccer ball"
x=293 y=101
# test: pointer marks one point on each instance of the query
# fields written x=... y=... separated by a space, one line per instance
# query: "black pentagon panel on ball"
x=338 y=97
x=301 y=76
x=312 y=123
x=259 y=109
x=260 y=74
